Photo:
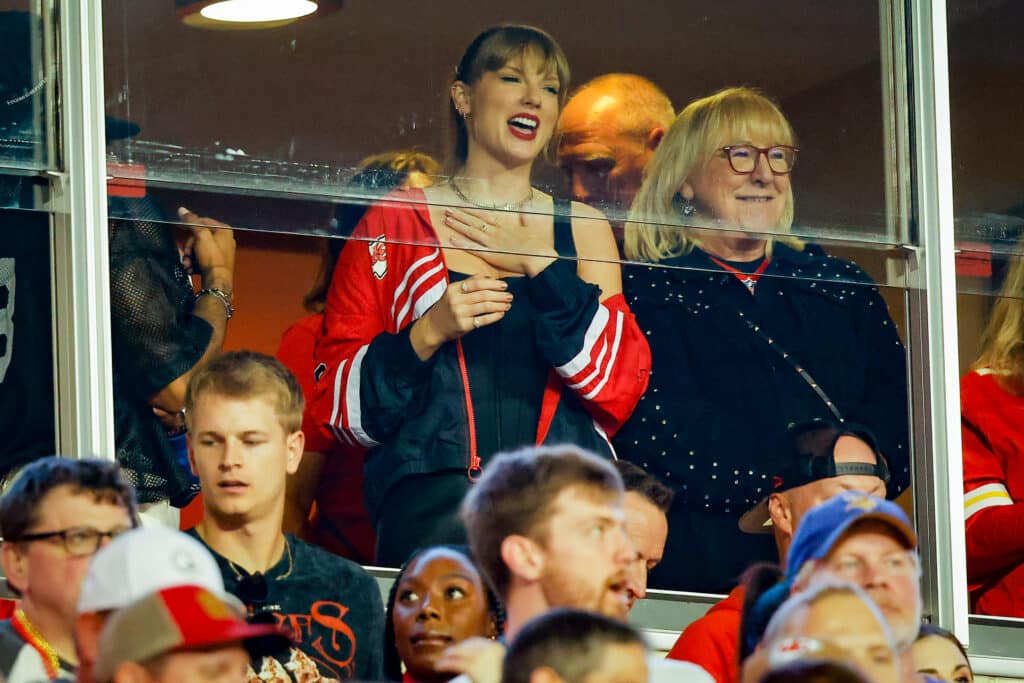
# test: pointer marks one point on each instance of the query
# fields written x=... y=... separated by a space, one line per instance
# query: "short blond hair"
x=653 y=232
x=248 y=374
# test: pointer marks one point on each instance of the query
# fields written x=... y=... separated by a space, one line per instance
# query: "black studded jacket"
x=719 y=395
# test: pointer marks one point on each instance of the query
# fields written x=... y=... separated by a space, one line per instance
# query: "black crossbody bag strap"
x=793 y=363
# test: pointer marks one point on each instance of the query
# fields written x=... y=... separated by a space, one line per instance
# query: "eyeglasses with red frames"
x=743 y=158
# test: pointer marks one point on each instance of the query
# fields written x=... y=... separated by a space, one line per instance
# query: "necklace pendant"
x=749 y=283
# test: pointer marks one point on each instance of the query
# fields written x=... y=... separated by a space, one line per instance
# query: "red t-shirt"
x=713 y=640
x=340 y=523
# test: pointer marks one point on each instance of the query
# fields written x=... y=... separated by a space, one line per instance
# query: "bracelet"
x=224 y=297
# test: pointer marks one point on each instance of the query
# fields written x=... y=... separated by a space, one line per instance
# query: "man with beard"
x=645 y=505
x=869 y=542
x=547 y=528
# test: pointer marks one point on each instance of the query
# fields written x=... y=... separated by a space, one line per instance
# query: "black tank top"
x=507 y=373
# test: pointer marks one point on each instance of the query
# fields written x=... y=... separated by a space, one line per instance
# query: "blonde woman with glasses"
x=750 y=330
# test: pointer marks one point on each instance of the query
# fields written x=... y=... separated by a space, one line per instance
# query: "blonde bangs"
x=730 y=116
x=513 y=42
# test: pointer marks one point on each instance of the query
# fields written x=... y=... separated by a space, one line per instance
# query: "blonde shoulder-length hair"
x=1002 y=343
x=653 y=231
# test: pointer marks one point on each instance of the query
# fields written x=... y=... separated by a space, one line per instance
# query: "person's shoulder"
x=302 y=332
x=324 y=560
x=397 y=212
x=586 y=212
x=730 y=606
x=661 y=670
x=814 y=264
x=987 y=390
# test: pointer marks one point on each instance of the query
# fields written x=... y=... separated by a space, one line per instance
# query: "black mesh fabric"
x=155 y=340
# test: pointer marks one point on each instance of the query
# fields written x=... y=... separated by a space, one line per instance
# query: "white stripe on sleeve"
x=582 y=359
x=989 y=495
x=355 y=424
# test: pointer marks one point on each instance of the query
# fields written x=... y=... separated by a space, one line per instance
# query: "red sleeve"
x=617 y=367
x=596 y=347
x=994 y=520
x=367 y=371
x=296 y=353
x=712 y=643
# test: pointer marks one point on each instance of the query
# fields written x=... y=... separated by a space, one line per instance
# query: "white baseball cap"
x=144 y=561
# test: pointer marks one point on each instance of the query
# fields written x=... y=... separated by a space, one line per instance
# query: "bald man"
x=609 y=130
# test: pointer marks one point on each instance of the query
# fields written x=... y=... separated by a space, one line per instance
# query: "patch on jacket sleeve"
x=378 y=257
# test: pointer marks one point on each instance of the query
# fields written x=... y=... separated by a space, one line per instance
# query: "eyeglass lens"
x=86 y=541
x=743 y=158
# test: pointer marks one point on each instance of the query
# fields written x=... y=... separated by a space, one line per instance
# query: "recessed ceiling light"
x=258 y=10
x=235 y=14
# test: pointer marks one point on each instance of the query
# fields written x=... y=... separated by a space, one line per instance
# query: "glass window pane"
x=26 y=330
x=284 y=134
x=295 y=109
x=26 y=87
x=985 y=58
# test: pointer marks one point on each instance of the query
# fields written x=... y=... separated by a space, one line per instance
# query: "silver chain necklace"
x=508 y=206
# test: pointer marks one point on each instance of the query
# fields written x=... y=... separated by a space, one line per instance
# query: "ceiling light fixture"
x=249 y=14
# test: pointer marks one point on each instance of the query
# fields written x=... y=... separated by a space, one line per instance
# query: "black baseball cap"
x=805 y=454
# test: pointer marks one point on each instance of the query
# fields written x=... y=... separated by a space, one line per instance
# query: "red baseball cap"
x=178 y=618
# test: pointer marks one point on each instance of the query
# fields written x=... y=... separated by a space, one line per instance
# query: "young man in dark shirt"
x=244 y=413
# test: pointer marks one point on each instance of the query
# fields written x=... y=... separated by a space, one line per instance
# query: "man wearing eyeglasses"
x=870 y=542
x=818 y=459
x=862 y=539
x=54 y=516
x=244 y=414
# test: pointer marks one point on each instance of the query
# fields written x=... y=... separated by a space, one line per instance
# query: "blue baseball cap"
x=823 y=526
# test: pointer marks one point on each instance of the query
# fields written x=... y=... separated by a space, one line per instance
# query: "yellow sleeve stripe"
x=985 y=496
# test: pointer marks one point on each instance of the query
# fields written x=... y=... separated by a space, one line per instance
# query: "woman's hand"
x=465 y=306
x=515 y=243
x=479 y=658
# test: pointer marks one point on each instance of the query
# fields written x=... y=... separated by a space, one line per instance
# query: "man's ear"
x=781 y=513
x=296 y=444
x=15 y=564
x=545 y=674
x=655 y=137
x=523 y=557
x=190 y=440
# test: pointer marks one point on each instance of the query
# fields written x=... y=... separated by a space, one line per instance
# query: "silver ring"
x=476 y=323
